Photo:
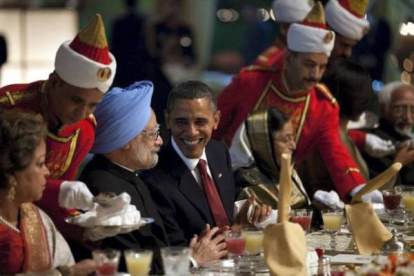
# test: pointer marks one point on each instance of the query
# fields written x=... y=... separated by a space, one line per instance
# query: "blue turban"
x=122 y=115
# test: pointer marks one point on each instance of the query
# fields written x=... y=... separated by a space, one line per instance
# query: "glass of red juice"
x=236 y=243
x=392 y=202
x=303 y=217
x=106 y=261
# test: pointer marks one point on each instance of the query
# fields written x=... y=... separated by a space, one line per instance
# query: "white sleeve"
x=240 y=150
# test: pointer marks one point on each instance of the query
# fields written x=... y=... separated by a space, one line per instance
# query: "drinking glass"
x=176 y=260
x=332 y=220
x=303 y=217
x=392 y=201
x=106 y=261
x=138 y=261
x=254 y=241
x=235 y=243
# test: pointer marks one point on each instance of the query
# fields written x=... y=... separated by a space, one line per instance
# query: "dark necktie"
x=213 y=196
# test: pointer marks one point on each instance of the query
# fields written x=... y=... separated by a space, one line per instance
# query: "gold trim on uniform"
x=327 y=93
x=57 y=170
x=303 y=118
x=12 y=98
x=264 y=92
x=260 y=68
x=287 y=98
x=352 y=170
x=92 y=118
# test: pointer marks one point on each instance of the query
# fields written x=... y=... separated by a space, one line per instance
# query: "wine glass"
x=303 y=217
x=106 y=261
x=392 y=201
x=332 y=220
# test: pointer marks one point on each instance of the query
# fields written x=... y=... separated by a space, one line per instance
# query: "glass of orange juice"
x=254 y=241
x=138 y=261
x=332 y=222
x=407 y=193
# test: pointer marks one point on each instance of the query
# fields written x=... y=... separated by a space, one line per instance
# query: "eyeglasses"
x=155 y=133
x=400 y=109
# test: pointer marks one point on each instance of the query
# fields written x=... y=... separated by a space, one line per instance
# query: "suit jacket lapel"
x=187 y=184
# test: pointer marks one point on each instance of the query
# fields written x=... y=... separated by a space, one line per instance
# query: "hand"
x=374 y=196
x=405 y=154
x=75 y=195
x=101 y=232
x=377 y=147
x=82 y=268
x=208 y=248
x=259 y=213
x=324 y=200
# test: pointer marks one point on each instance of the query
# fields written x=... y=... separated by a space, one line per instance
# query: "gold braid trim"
x=14 y=97
x=352 y=170
x=325 y=91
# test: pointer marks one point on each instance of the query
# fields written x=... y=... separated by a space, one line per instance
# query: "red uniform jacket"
x=66 y=147
x=314 y=113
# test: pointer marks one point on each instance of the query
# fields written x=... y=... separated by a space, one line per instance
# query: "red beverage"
x=106 y=269
x=305 y=222
x=236 y=246
x=391 y=201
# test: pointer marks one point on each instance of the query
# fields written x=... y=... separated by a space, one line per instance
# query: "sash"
x=37 y=254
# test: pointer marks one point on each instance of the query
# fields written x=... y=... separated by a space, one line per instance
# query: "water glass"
x=235 y=243
x=407 y=193
x=254 y=241
x=106 y=261
x=303 y=217
x=176 y=260
x=138 y=261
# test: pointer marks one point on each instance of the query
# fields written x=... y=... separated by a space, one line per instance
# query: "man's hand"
x=209 y=247
x=82 y=268
x=405 y=154
x=101 y=232
x=257 y=214
x=75 y=195
x=374 y=196
x=377 y=147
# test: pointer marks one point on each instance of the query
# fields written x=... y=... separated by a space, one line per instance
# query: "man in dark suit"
x=193 y=183
x=126 y=142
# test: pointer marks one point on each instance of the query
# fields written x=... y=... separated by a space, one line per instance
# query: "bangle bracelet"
x=64 y=270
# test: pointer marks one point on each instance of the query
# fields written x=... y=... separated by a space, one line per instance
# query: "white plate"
x=143 y=221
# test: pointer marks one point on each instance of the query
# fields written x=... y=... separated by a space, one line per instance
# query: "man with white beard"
x=396 y=122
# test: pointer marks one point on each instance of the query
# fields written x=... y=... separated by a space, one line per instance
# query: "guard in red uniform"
x=294 y=90
x=84 y=71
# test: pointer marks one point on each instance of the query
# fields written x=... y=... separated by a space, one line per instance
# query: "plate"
x=143 y=221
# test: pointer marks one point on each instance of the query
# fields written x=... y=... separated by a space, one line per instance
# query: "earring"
x=11 y=193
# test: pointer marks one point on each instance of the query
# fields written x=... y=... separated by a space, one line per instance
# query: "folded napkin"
x=119 y=212
x=330 y=199
x=285 y=243
x=368 y=231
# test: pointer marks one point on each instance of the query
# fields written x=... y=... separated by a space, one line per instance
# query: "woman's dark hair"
x=350 y=84
x=276 y=120
x=20 y=135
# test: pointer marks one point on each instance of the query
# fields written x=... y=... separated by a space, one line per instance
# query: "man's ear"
x=217 y=117
x=167 y=119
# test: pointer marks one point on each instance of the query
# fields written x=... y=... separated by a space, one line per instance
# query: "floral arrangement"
x=393 y=265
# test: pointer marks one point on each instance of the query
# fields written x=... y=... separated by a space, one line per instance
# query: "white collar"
x=190 y=163
x=119 y=165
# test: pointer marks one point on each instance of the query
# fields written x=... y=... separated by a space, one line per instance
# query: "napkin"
x=119 y=213
x=368 y=231
x=285 y=243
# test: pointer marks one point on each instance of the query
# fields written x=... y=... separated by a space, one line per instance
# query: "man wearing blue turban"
x=128 y=140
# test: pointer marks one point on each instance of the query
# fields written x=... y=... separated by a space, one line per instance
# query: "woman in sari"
x=29 y=241
x=256 y=153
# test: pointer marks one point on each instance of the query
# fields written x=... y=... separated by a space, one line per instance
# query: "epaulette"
x=91 y=118
x=13 y=97
x=260 y=68
x=325 y=91
x=264 y=57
